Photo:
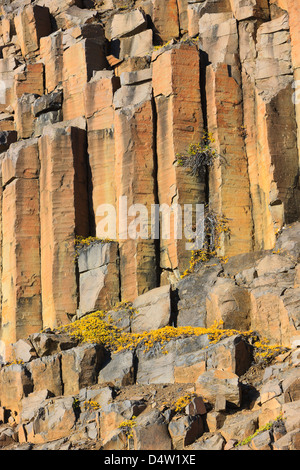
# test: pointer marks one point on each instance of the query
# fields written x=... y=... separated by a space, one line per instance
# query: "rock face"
x=121 y=127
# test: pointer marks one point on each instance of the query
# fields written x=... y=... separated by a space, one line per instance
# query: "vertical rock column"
x=176 y=85
x=261 y=217
x=32 y=23
x=229 y=180
x=79 y=62
x=270 y=126
x=229 y=192
x=64 y=214
x=21 y=284
x=51 y=51
x=134 y=139
x=294 y=22
x=99 y=111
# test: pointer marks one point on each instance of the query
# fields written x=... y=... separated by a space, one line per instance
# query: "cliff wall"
x=98 y=100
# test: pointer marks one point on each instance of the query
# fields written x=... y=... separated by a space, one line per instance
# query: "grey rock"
x=46 y=344
x=119 y=371
x=46 y=103
x=152 y=310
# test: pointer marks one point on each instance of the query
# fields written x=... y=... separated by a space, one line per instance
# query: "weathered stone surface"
x=134 y=153
x=216 y=382
x=262 y=441
x=165 y=19
x=99 y=282
x=219 y=38
x=240 y=427
x=179 y=123
x=152 y=310
x=63 y=178
x=215 y=442
x=18 y=384
x=152 y=437
x=77 y=72
x=45 y=103
x=21 y=161
x=244 y=9
x=232 y=354
x=156 y=367
x=113 y=414
x=225 y=117
x=125 y=24
x=139 y=45
x=288 y=442
x=120 y=370
x=32 y=23
x=51 y=51
x=46 y=374
x=24 y=117
x=192 y=293
x=134 y=77
x=21 y=276
x=24 y=351
x=98 y=94
x=32 y=403
x=29 y=79
x=58 y=420
x=47 y=344
x=229 y=303
x=190 y=358
x=185 y=430
x=80 y=367
x=133 y=95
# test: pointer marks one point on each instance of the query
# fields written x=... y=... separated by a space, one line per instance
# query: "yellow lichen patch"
x=182 y=402
x=127 y=426
x=81 y=242
x=91 y=405
x=266 y=427
x=266 y=351
x=97 y=327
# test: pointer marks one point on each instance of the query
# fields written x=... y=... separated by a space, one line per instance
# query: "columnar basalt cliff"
x=102 y=104
x=98 y=101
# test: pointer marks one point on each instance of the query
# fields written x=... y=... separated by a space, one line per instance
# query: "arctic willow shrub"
x=200 y=156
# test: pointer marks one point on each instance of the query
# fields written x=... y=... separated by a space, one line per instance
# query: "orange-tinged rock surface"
x=229 y=183
x=134 y=154
x=21 y=276
x=100 y=102
x=179 y=124
x=63 y=214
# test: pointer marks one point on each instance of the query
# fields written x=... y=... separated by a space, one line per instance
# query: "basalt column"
x=64 y=214
x=99 y=111
x=229 y=180
x=270 y=126
x=176 y=85
x=135 y=185
x=229 y=191
x=21 y=277
x=294 y=23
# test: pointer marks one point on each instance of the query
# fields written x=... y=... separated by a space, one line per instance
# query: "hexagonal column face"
x=63 y=214
x=229 y=179
x=21 y=277
x=179 y=124
x=135 y=181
